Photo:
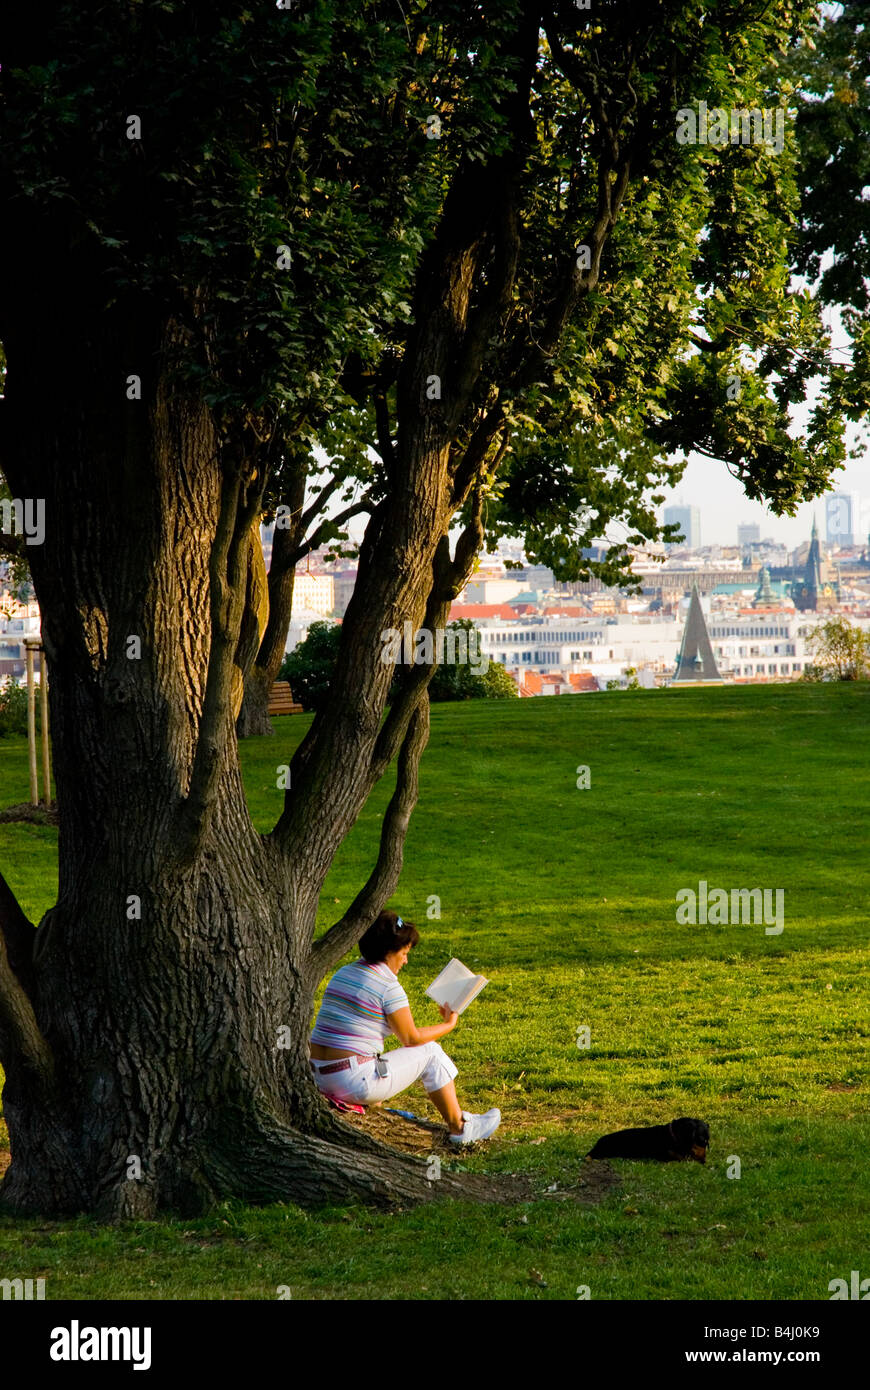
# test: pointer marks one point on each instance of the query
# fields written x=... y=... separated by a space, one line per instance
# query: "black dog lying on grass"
x=679 y=1140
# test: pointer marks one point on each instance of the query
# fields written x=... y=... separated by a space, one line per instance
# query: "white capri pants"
x=360 y=1084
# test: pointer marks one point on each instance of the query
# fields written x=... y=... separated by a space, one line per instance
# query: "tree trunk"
x=155 y=1046
x=254 y=715
x=254 y=718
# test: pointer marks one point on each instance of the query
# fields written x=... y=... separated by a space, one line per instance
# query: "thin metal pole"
x=31 y=728
x=43 y=710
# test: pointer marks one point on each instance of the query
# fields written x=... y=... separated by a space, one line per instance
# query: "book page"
x=472 y=990
x=456 y=986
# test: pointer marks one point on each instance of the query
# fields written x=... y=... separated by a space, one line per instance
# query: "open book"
x=456 y=986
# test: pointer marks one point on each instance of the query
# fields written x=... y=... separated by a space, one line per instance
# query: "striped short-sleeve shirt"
x=352 y=1015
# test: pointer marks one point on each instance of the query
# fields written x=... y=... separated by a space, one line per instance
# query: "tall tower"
x=689 y=521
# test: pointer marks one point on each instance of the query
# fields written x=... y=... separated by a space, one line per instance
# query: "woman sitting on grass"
x=362 y=1005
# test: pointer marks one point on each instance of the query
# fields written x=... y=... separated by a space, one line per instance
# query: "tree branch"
x=227 y=592
x=614 y=166
x=319 y=502
x=463 y=281
x=466 y=469
x=382 y=881
x=315 y=538
x=711 y=345
x=470 y=540
x=281 y=577
x=413 y=688
x=21 y=1042
x=449 y=576
x=20 y=934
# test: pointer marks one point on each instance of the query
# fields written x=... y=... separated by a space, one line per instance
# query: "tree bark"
x=254 y=714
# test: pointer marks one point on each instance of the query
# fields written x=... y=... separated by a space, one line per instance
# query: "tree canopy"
x=308 y=222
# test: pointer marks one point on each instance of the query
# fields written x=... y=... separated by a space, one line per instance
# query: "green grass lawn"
x=565 y=898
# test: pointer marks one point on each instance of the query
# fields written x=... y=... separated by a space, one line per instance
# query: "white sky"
x=724 y=506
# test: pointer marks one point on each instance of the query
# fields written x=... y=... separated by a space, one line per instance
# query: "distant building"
x=747 y=535
x=843 y=519
x=537 y=577
x=674 y=580
x=689 y=521
x=773 y=555
x=761 y=645
x=460 y=612
x=532 y=683
x=492 y=590
x=343 y=586
x=313 y=593
x=599 y=646
x=18 y=620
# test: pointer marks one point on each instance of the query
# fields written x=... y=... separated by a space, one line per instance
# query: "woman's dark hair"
x=389 y=932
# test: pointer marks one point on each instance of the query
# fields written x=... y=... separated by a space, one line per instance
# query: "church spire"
x=807 y=589
x=696 y=664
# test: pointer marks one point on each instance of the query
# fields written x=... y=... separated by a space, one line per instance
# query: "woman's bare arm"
x=409 y=1035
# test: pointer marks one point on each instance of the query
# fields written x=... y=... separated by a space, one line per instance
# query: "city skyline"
x=723 y=505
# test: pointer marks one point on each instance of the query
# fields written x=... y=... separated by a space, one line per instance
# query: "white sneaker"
x=477 y=1127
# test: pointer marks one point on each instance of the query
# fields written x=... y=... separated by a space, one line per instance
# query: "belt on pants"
x=344 y=1065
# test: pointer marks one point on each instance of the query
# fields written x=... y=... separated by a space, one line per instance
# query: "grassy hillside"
x=565 y=898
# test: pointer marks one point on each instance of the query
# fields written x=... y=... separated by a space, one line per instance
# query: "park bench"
x=281 y=700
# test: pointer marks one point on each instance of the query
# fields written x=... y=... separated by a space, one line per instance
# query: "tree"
x=256 y=235
x=14 y=573
x=830 y=72
x=221 y=187
x=631 y=682
x=841 y=652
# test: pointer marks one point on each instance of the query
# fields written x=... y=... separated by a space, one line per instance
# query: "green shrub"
x=459 y=680
x=499 y=685
x=309 y=667
x=13 y=708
